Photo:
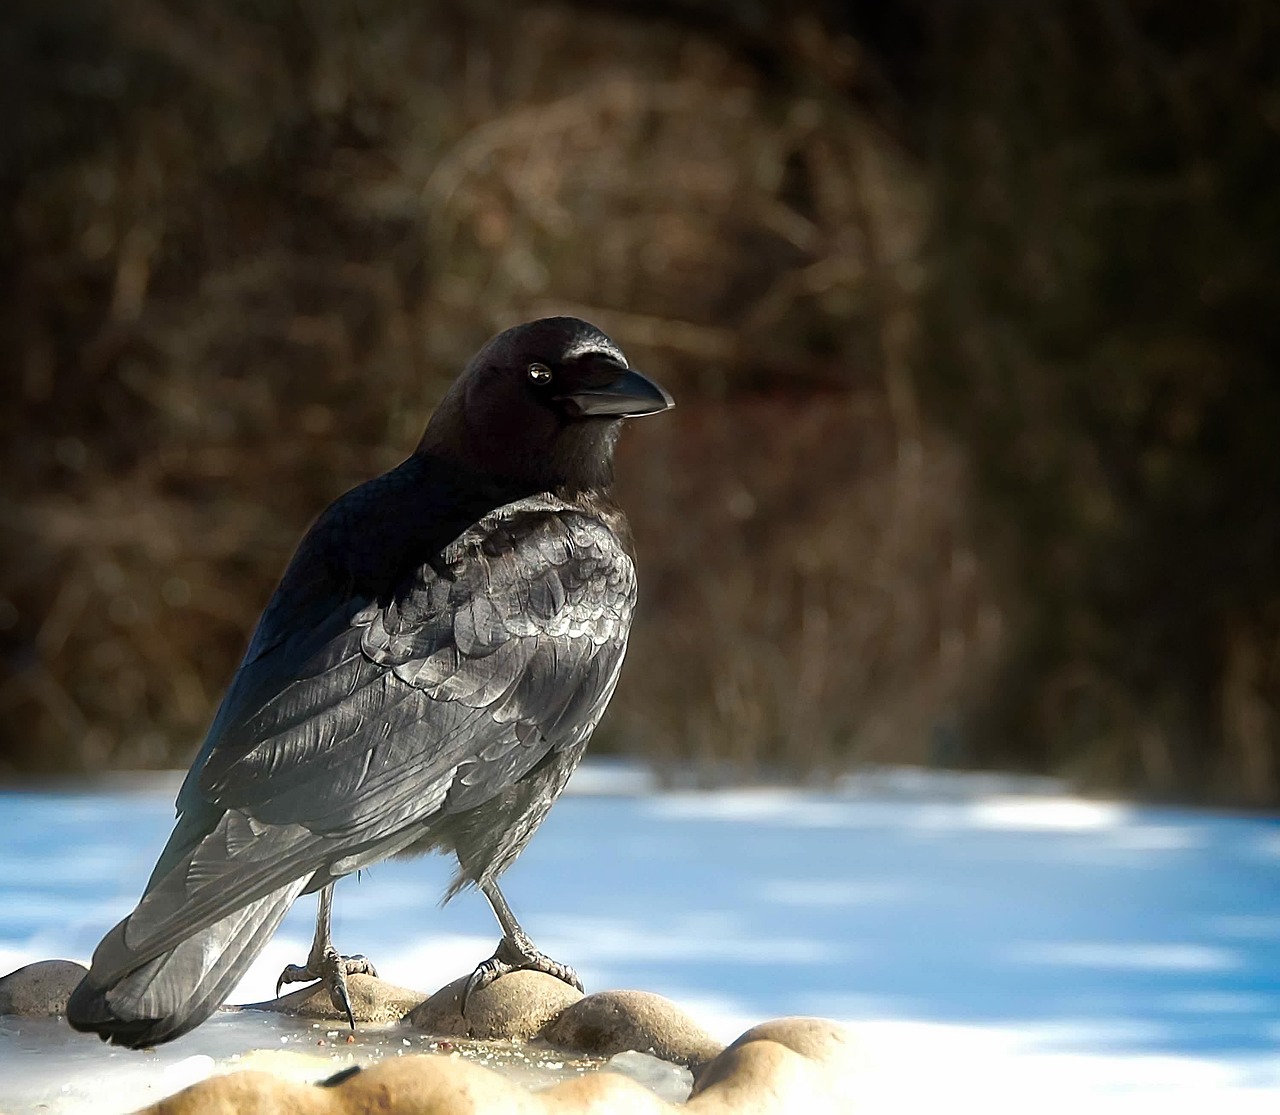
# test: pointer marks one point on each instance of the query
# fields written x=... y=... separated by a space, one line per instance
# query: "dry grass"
x=246 y=291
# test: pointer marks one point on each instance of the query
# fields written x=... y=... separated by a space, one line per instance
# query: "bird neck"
x=580 y=460
x=573 y=459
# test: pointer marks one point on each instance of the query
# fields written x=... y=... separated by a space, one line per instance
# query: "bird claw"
x=485 y=973
x=332 y=970
x=294 y=973
x=510 y=957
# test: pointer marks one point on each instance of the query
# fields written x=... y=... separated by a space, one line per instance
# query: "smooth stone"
x=821 y=1040
x=40 y=990
x=372 y=1000
x=517 y=1006
x=788 y=1065
x=610 y=1022
x=418 y=1085
x=802 y=1064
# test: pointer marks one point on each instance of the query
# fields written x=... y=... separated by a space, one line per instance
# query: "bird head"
x=540 y=406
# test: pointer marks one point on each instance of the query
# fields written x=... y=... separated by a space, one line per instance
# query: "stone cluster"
x=790 y=1064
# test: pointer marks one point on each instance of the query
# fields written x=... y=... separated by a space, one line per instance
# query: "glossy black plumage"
x=426 y=676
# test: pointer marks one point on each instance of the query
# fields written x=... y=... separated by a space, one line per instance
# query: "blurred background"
x=970 y=309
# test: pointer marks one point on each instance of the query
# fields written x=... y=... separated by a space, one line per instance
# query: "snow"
x=994 y=943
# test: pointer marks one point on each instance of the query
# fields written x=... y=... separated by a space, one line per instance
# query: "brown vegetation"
x=1106 y=346
x=889 y=271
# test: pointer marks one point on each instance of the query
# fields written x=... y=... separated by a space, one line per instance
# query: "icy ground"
x=998 y=946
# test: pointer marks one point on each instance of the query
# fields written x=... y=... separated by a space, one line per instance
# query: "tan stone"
x=419 y=1085
x=763 y=1078
x=601 y=1093
x=372 y=1000
x=441 y=1014
x=789 y=1065
x=819 y=1039
x=517 y=1006
x=41 y=989
x=610 y=1022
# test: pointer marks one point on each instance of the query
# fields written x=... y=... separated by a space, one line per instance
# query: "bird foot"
x=516 y=956
x=332 y=970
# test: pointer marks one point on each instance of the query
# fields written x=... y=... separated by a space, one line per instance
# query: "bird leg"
x=515 y=951
x=324 y=963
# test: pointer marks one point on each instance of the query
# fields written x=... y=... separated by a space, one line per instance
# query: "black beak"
x=630 y=395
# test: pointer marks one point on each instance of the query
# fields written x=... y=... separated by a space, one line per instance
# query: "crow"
x=425 y=678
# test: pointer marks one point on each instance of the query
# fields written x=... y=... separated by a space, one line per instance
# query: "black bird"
x=426 y=677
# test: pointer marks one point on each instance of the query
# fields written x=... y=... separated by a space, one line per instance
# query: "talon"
x=294 y=974
x=332 y=970
x=338 y=995
x=486 y=973
x=515 y=956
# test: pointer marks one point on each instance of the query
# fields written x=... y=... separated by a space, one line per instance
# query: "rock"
x=518 y=1006
x=41 y=989
x=792 y=1064
x=801 y=1064
x=372 y=1000
x=610 y=1022
x=441 y=1015
x=419 y=1085
x=822 y=1041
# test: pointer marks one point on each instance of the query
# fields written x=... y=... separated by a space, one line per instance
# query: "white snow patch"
x=1047 y=814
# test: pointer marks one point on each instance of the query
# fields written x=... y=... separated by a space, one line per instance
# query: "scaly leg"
x=515 y=951
x=324 y=963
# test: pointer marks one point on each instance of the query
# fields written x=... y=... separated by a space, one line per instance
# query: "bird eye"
x=539 y=373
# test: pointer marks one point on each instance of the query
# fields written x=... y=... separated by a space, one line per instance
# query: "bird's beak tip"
x=631 y=395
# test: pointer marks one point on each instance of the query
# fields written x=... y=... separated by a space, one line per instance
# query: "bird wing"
x=490 y=659
x=349 y=726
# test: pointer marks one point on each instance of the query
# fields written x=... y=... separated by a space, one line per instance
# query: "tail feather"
x=165 y=996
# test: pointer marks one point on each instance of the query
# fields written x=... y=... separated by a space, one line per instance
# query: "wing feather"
x=354 y=721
